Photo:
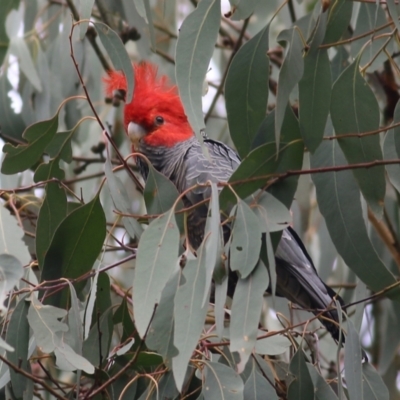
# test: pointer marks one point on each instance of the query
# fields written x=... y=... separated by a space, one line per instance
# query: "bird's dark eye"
x=159 y=120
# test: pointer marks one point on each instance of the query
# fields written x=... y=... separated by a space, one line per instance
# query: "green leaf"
x=160 y=193
x=194 y=48
x=97 y=345
x=18 y=338
x=242 y=9
x=339 y=202
x=5 y=7
x=257 y=387
x=354 y=109
x=292 y=156
x=117 y=53
x=273 y=345
x=289 y=75
x=338 y=21
x=246 y=240
x=219 y=307
x=161 y=333
x=390 y=153
x=221 y=383
x=396 y=131
x=157 y=260
x=85 y=13
x=393 y=11
x=263 y=161
x=272 y=215
x=68 y=360
x=74 y=336
x=11 y=271
x=213 y=241
x=339 y=63
x=12 y=124
x=144 y=10
x=352 y=363
x=323 y=391
x=189 y=314
x=373 y=386
x=123 y=316
x=103 y=296
x=259 y=163
x=121 y=200
x=61 y=146
x=389 y=340
x=315 y=90
x=302 y=387
x=24 y=156
x=246 y=312
x=45 y=323
x=246 y=90
x=52 y=212
x=20 y=49
x=49 y=170
x=11 y=238
x=369 y=17
x=75 y=246
x=87 y=323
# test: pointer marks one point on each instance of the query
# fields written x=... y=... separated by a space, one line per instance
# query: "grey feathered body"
x=186 y=165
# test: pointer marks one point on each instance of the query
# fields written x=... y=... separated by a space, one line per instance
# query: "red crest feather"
x=153 y=96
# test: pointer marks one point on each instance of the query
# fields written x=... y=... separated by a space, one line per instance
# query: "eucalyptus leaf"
x=157 y=260
x=74 y=247
x=121 y=201
x=246 y=240
x=352 y=363
x=18 y=337
x=194 y=48
x=51 y=213
x=302 y=386
x=289 y=75
x=117 y=52
x=338 y=21
x=246 y=312
x=339 y=202
x=354 y=109
x=315 y=89
x=85 y=13
x=246 y=88
x=24 y=156
x=11 y=238
x=189 y=315
x=222 y=383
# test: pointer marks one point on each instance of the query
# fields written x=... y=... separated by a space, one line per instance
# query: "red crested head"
x=155 y=107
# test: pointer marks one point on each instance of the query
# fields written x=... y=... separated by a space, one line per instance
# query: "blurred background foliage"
x=66 y=240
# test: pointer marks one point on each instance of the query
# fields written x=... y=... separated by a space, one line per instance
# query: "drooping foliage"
x=100 y=293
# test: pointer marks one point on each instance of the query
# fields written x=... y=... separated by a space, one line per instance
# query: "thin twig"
x=221 y=86
x=33 y=378
x=110 y=139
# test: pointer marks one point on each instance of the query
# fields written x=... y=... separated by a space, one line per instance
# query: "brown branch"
x=354 y=38
x=91 y=35
x=110 y=139
x=33 y=378
x=128 y=365
x=221 y=85
x=362 y=134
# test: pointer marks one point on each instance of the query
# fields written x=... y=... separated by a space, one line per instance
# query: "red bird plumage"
x=167 y=140
x=153 y=97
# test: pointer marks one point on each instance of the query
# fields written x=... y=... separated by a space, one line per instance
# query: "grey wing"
x=199 y=169
x=219 y=167
x=298 y=281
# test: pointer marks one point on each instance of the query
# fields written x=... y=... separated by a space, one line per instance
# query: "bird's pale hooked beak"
x=135 y=133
